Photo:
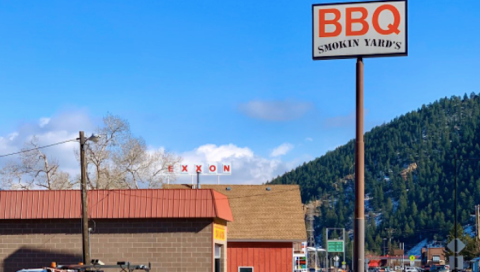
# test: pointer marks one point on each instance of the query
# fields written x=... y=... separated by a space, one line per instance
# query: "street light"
x=83 y=185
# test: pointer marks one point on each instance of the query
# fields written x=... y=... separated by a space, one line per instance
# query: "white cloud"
x=341 y=121
x=214 y=153
x=275 y=110
x=12 y=136
x=43 y=121
x=281 y=150
x=60 y=127
x=308 y=139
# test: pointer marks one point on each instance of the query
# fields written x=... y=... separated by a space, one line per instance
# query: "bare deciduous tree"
x=34 y=170
x=120 y=160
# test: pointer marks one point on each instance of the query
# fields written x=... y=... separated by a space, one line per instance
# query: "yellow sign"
x=219 y=232
x=412 y=258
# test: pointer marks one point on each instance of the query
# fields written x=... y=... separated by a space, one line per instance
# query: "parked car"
x=439 y=268
x=410 y=269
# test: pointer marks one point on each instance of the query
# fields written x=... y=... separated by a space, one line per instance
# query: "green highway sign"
x=334 y=246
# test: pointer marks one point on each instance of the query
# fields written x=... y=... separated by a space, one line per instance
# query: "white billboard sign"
x=212 y=168
x=360 y=29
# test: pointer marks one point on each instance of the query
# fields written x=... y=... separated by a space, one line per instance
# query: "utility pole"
x=455 y=203
x=83 y=181
x=390 y=232
x=477 y=220
x=384 y=246
x=455 y=261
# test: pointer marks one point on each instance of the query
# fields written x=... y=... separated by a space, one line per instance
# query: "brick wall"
x=173 y=245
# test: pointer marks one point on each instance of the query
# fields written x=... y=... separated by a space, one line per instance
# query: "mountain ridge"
x=409 y=174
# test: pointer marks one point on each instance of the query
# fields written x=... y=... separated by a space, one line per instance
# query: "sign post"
x=358 y=30
x=456 y=262
x=335 y=245
x=412 y=260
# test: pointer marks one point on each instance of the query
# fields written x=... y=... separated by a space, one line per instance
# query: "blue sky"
x=232 y=74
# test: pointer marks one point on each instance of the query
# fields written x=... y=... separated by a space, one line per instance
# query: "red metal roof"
x=222 y=205
x=135 y=203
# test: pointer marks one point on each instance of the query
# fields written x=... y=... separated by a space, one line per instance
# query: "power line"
x=36 y=148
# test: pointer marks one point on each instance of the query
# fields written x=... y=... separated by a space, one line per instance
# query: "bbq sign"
x=360 y=29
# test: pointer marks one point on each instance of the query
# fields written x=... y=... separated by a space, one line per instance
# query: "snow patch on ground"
x=367 y=205
x=395 y=205
x=469 y=230
x=417 y=249
x=367 y=202
x=378 y=219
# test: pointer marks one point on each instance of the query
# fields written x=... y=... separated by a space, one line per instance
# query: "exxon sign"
x=360 y=29
x=208 y=169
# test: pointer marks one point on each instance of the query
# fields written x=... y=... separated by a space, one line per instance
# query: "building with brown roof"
x=268 y=220
x=433 y=256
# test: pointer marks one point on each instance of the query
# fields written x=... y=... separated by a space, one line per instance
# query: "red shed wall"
x=263 y=256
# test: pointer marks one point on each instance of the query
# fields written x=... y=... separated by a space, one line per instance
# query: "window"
x=245 y=269
x=436 y=258
x=218 y=251
x=218 y=257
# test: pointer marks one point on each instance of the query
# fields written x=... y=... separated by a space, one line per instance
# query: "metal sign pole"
x=359 y=224
x=344 y=241
x=455 y=262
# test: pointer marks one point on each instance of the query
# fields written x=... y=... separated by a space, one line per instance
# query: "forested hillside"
x=409 y=175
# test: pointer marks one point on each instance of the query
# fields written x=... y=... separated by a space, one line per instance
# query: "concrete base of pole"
x=359 y=242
